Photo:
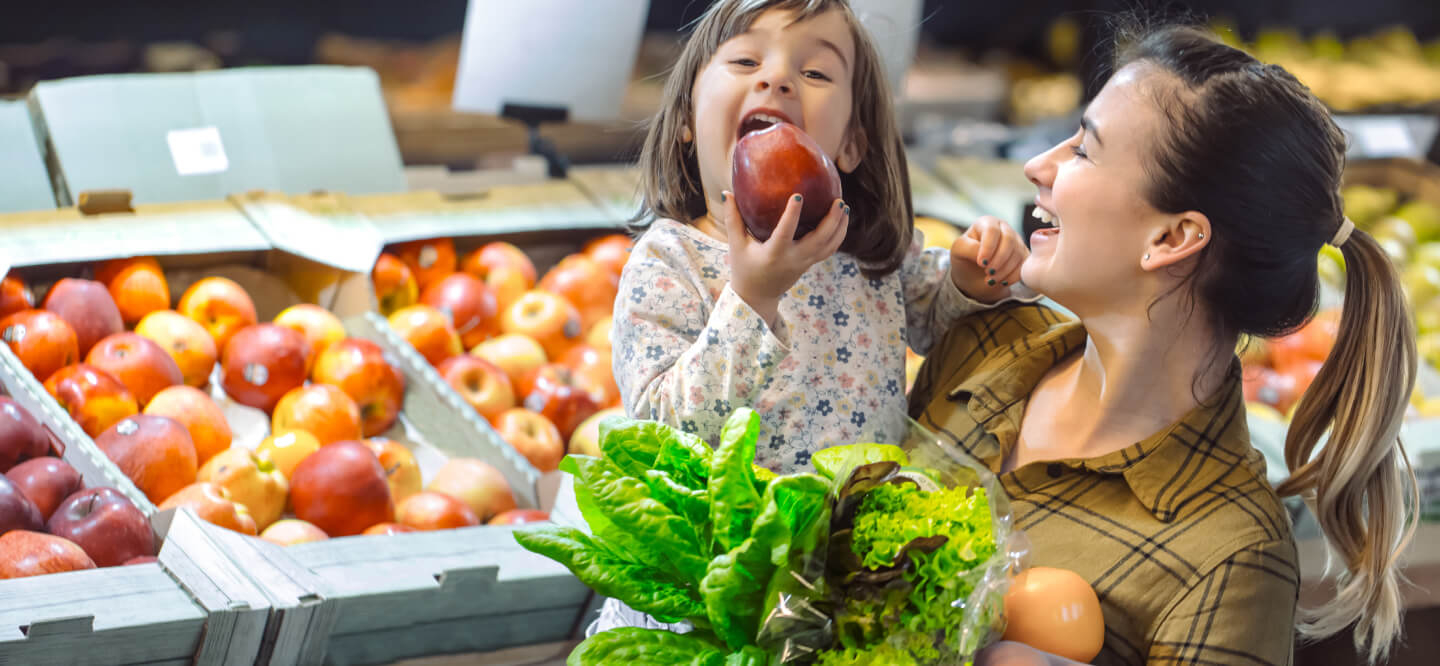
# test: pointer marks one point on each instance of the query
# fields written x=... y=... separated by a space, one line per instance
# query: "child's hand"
x=760 y=273
x=986 y=260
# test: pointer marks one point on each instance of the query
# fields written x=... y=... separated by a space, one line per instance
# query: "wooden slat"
x=463 y=634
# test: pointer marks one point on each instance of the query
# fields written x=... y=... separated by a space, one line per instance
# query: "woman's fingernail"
x=847 y=209
x=991 y=283
x=722 y=197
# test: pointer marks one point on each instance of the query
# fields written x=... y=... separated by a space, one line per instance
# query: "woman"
x=1188 y=210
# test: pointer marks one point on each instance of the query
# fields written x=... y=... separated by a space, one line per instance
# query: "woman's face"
x=1091 y=189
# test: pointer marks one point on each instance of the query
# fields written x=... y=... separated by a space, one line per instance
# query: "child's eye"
x=816 y=74
x=744 y=62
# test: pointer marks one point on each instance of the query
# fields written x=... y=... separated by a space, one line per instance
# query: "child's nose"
x=781 y=85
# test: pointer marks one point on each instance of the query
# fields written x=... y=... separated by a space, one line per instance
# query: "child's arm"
x=678 y=362
x=941 y=287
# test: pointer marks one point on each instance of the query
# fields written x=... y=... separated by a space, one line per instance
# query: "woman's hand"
x=760 y=273
x=986 y=260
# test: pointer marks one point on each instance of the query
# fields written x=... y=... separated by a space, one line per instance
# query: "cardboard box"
x=194 y=605
x=207 y=135
x=26 y=186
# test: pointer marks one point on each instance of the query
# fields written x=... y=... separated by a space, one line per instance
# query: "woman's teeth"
x=1046 y=217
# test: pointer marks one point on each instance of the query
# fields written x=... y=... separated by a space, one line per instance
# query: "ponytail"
x=1360 y=485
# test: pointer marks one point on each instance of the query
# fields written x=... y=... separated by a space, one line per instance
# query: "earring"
x=1147 y=256
x=1202 y=235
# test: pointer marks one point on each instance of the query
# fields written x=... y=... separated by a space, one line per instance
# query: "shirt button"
x=1055 y=470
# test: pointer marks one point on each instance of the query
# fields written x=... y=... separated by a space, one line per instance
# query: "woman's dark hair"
x=1251 y=148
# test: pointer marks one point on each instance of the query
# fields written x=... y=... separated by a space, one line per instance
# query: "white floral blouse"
x=688 y=350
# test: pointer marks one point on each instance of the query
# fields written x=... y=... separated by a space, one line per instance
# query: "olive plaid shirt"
x=1186 y=544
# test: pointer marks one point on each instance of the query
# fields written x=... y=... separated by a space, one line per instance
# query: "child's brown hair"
x=878 y=190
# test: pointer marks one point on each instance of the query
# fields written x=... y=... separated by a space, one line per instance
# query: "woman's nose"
x=1041 y=168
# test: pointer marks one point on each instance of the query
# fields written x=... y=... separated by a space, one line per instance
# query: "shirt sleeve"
x=679 y=363
x=1241 y=612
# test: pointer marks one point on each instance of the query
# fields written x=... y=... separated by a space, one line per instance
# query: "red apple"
x=395 y=285
x=484 y=386
x=201 y=416
x=774 y=163
x=140 y=364
x=92 y=397
x=509 y=285
x=358 y=367
x=1269 y=387
x=590 y=287
x=547 y=318
x=89 y=309
x=106 y=524
x=213 y=504
x=593 y=366
x=252 y=483
x=388 y=529
x=319 y=326
x=498 y=255
x=322 y=410
x=533 y=436
x=342 y=490
x=187 y=342
x=562 y=397
x=474 y=482
x=47 y=481
x=144 y=559
x=154 y=451
x=610 y=251
x=402 y=471
x=520 y=517
x=14 y=296
x=137 y=284
x=41 y=340
x=429 y=260
x=262 y=363
x=428 y=511
x=21 y=436
x=26 y=553
x=429 y=331
x=469 y=304
x=519 y=356
x=599 y=335
x=221 y=306
x=17 y=512
x=290 y=531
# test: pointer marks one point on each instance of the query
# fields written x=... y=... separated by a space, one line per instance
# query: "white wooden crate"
x=193 y=605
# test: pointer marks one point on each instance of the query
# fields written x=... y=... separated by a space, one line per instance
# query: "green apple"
x=586 y=438
x=1424 y=219
x=1331 y=264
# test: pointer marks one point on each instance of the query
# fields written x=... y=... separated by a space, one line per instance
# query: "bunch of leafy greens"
x=681 y=532
x=904 y=551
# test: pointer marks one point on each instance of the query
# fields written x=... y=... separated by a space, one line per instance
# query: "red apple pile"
x=49 y=522
x=531 y=357
x=1277 y=372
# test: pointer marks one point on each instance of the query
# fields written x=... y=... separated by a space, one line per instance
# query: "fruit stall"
x=270 y=395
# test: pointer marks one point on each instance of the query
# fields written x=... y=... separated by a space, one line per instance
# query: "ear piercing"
x=1147 y=256
x=1202 y=235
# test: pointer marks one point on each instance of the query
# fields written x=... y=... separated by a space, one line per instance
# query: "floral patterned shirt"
x=688 y=351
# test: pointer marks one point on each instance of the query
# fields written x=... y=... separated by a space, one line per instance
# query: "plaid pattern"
x=1186 y=544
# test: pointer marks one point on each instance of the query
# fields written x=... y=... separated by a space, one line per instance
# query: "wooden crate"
x=194 y=604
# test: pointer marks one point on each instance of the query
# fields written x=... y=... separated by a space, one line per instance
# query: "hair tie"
x=1343 y=233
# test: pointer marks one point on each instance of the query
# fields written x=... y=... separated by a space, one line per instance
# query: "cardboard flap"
x=552 y=205
x=318 y=227
x=26 y=185
x=66 y=235
x=206 y=135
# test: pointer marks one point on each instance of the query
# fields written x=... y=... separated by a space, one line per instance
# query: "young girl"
x=810 y=333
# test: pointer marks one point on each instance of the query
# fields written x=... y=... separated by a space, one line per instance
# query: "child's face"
x=1093 y=184
x=800 y=72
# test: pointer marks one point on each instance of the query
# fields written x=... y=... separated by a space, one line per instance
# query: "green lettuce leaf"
x=632 y=646
x=600 y=567
x=636 y=522
x=636 y=446
x=835 y=462
x=734 y=502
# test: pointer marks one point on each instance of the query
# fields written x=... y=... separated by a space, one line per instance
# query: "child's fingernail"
x=1005 y=283
x=992 y=271
x=797 y=197
x=991 y=283
x=847 y=209
x=985 y=262
x=722 y=197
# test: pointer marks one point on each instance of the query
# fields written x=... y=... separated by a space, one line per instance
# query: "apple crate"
x=193 y=605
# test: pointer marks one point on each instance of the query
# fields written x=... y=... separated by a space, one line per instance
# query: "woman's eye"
x=1079 y=150
x=816 y=74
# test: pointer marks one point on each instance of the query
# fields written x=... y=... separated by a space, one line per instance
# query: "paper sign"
x=894 y=25
x=197 y=151
x=570 y=54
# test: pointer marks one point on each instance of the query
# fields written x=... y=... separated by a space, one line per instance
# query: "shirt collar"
x=1164 y=471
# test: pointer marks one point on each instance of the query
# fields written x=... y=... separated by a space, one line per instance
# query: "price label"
x=197 y=151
